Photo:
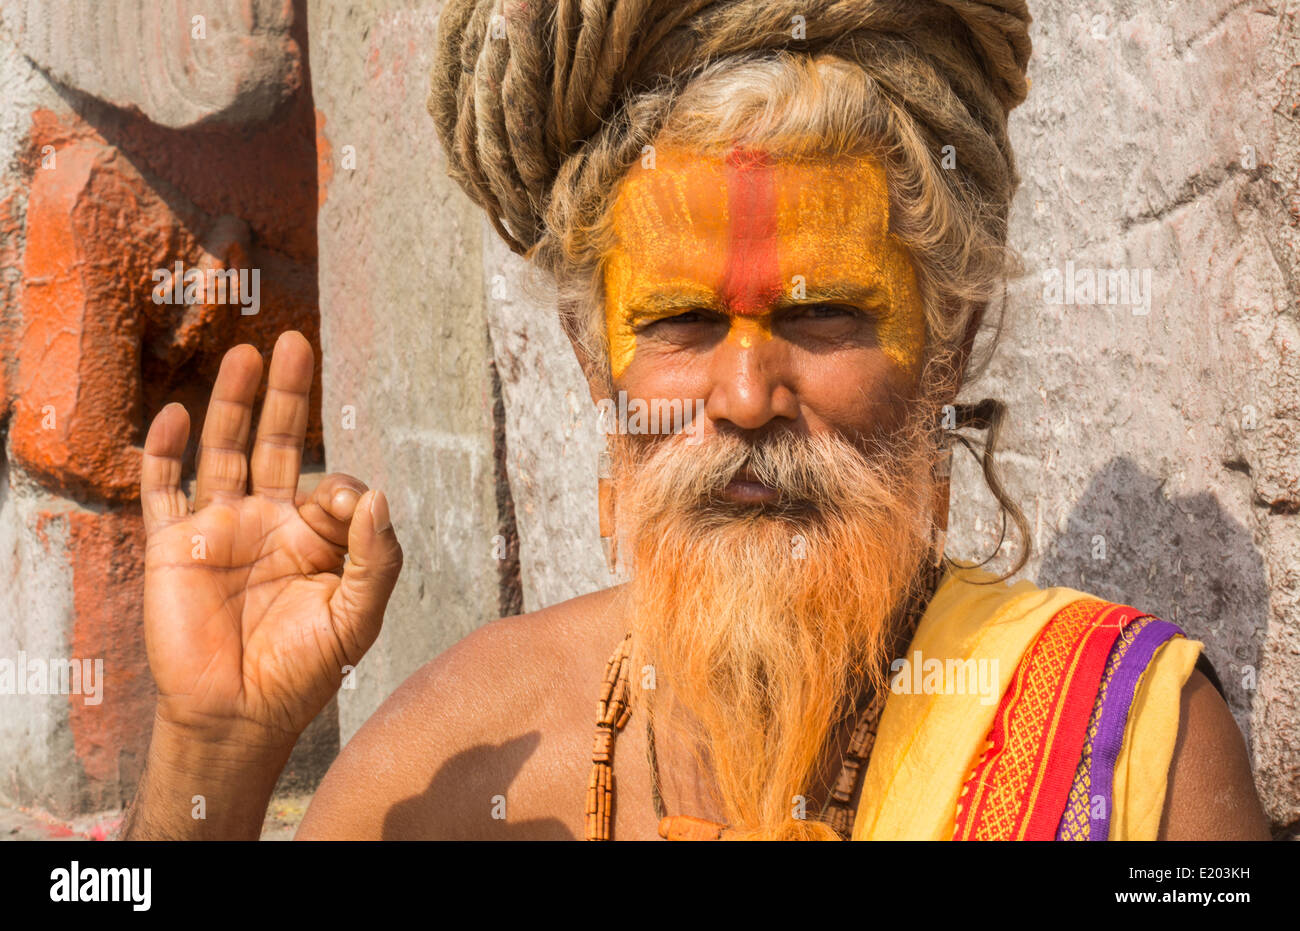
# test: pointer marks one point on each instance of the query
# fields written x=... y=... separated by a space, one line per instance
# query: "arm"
x=1211 y=792
x=194 y=789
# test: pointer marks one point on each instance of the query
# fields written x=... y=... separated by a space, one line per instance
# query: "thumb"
x=374 y=561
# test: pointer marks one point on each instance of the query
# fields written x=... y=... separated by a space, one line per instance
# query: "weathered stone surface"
x=553 y=434
x=36 y=604
x=88 y=358
x=1277 y=706
x=96 y=353
x=1155 y=455
x=78 y=379
x=180 y=64
x=408 y=393
x=26 y=91
x=36 y=745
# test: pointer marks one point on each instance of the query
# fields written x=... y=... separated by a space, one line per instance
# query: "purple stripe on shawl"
x=1114 y=716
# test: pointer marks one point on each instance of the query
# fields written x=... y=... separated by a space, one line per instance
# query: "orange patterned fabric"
x=1019 y=786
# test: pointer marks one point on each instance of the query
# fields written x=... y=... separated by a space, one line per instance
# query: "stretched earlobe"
x=605 y=504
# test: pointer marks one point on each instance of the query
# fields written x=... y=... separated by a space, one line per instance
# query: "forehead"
x=736 y=228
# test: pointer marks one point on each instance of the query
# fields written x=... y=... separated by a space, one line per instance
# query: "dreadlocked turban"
x=541 y=94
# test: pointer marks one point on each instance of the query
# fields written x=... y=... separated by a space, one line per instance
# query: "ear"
x=594 y=369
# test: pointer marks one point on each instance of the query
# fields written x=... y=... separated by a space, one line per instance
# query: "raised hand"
x=251 y=612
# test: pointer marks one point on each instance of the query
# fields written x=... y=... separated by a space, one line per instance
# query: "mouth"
x=745 y=488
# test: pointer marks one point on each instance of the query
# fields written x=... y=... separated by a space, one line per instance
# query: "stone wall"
x=130 y=140
x=409 y=388
x=1156 y=449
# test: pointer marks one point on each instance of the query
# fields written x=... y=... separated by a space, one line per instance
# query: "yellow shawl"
x=928 y=743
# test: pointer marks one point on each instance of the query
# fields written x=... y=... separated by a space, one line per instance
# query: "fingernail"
x=344 y=502
x=379 y=512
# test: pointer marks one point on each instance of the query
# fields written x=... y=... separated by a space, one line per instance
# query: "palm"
x=248 y=619
x=241 y=595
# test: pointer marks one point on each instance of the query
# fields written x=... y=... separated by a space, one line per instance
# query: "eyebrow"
x=659 y=304
x=851 y=292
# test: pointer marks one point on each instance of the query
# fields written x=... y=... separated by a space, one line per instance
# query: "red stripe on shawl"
x=1019 y=787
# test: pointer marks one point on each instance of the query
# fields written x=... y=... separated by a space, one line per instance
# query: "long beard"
x=765 y=622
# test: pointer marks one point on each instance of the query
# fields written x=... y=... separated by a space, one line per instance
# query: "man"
x=754 y=214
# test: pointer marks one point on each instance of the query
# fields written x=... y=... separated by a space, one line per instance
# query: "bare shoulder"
x=487 y=740
x=1211 y=794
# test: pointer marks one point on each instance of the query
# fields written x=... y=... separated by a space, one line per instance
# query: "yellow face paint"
x=666 y=236
x=833 y=229
x=748 y=332
x=747 y=233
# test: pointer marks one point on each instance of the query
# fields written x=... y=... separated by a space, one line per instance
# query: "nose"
x=749 y=384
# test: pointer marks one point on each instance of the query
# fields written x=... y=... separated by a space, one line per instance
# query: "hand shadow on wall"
x=467 y=783
x=1184 y=559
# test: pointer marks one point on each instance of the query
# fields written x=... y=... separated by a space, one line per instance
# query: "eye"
x=825 y=321
x=825 y=311
x=686 y=317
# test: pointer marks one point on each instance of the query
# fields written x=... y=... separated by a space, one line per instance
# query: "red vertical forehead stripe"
x=751 y=279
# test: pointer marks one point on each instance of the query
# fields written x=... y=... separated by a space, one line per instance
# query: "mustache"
x=800 y=466
x=820 y=472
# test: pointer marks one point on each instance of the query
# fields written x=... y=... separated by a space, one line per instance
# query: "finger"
x=223 y=465
x=161 y=498
x=277 y=452
x=329 y=509
x=374 y=561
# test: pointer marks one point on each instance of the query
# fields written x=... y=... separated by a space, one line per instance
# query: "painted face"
x=747 y=249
